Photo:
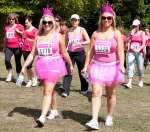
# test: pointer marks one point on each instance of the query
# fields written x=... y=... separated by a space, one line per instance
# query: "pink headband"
x=47 y=11
x=107 y=8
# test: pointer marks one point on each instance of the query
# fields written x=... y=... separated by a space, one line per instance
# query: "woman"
x=147 y=34
x=76 y=38
x=28 y=39
x=105 y=65
x=49 y=65
x=13 y=33
x=136 y=53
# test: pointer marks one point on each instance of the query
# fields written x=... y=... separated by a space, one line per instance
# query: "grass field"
x=20 y=106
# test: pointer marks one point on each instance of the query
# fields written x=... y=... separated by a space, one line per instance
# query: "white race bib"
x=45 y=51
x=135 y=46
x=10 y=34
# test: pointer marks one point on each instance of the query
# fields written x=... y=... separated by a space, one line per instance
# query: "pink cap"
x=47 y=11
x=107 y=8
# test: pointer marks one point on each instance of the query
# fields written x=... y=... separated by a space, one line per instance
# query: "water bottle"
x=85 y=75
x=20 y=80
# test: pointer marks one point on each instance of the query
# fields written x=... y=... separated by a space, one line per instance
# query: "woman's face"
x=136 y=27
x=47 y=23
x=28 y=23
x=12 y=20
x=74 y=22
x=106 y=19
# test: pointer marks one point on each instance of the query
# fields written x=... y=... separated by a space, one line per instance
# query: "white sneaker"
x=141 y=84
x=29 y=84
x=128 y=85
x=109 y=121
x=84 y=92
x=92 y=124
x=64 y=95
x=53 y=114
x=9 y=78
x=34 y=82
x=40 y=121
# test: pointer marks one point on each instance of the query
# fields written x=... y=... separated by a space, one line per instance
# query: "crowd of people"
x=55 y=47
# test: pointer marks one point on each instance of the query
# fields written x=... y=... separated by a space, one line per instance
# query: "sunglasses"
x=47 y=22
x=108 y=18
x=11 y=19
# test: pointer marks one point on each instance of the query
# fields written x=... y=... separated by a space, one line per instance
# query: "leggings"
x=79 y=59
x=9 y=52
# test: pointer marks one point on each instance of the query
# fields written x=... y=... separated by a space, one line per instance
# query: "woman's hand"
x=23 y=70
x=71 y=70
x=122 y=69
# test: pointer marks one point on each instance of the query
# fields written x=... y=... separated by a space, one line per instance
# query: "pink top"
x=105 y=50
x=148 y=39
x=74 y=42
x=50 y=48
x=135 y=41
x=12 y=37
x=27 y=45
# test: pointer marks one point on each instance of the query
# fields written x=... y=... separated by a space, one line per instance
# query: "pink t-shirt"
x=105 y=50
x=148 y=39
x=12 y=37
x=27 y=44
x=74 y=44
x=50 y=48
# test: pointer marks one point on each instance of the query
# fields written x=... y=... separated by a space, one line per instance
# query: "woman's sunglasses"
x=108 y=18
x=11 y=19
x=47 y=22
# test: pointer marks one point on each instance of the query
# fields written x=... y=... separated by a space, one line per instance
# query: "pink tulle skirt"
x=50 y=69
x=106 y=74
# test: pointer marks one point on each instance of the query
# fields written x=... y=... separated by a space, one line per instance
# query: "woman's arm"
x=65 y=53
x=90 y=52
x=120 y=50
x=143 y=41
x=85 y=36
x=30 y=57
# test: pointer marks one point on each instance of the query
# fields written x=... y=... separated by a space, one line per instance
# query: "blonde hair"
x=41 y=30
x=113 y=22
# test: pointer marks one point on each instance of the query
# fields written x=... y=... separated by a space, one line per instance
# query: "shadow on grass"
x=79 y=117
x=147 y=84
x=25 y=111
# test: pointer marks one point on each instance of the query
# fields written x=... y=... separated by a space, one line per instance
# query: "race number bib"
x=75 y=44
x=10 y=34
x=102 y=47
x=45 y=51
x=135 y=46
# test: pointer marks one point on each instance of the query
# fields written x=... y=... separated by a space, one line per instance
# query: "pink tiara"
x=47 y=11
x=107 y=8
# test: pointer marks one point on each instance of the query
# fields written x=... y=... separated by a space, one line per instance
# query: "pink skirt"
x=106 y=74
x=50 y=69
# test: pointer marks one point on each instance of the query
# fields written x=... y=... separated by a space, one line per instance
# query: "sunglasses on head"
x=108 y=18
x=47 y=22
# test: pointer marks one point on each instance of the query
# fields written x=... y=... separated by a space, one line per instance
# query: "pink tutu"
x=106 y=74
x=50 y=69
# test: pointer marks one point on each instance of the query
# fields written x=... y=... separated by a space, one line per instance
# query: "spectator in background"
x=13 y=33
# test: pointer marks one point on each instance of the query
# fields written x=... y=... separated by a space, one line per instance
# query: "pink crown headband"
x=47 y=11
x=107 y=8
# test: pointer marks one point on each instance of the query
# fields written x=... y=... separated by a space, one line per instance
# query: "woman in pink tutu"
x=49 y=48
x=105 y=65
